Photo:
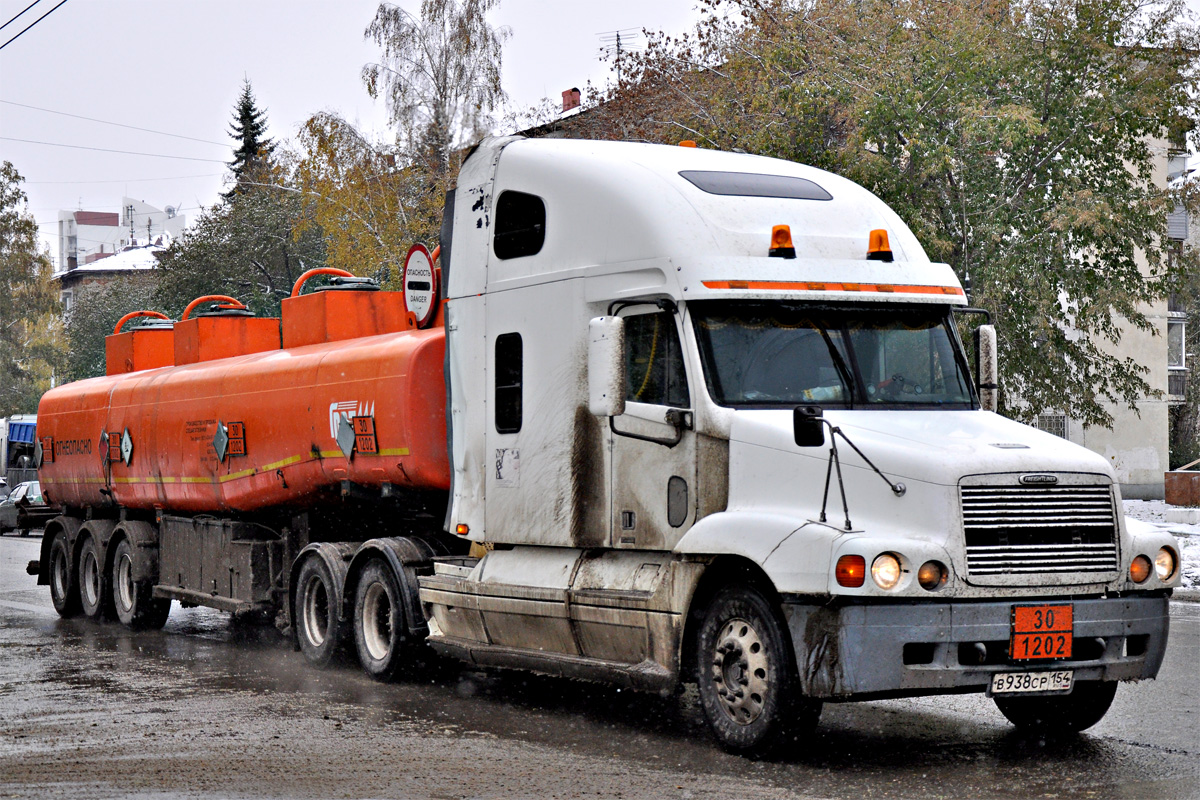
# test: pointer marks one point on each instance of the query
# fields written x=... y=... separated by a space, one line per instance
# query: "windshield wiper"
x=839 y=362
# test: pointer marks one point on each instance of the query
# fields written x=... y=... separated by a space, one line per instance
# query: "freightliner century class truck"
x=657 y=415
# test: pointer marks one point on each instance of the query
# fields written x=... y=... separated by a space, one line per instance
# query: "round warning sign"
x=420 y=284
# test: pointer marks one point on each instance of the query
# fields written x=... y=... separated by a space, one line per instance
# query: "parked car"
x=24 y=509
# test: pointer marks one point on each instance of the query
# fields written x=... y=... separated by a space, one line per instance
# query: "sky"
x=177 y=66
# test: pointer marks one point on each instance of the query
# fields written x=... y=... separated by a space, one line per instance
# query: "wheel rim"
x=60 y=573
x=739 y=671
x=125 y=588
x=316 y=611
x=91 y=579
x=377 y=621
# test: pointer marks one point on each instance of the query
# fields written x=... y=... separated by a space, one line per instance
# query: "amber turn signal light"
x=461 y=529
x=781 y=242
x=1139 y=569
x=851 y=571
x=878 y=248
x=687 y=143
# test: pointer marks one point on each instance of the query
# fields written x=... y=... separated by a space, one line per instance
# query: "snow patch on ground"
x=1154 y=513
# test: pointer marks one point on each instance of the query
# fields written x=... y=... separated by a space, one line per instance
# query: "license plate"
x=1041 y=632
x=1032 y=682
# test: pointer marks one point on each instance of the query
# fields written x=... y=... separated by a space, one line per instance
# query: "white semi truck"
x=707 y=419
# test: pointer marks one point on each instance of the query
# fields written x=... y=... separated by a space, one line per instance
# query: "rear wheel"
x=91 y=580
x=314 y=613
x=1086 y=705
x=379 y=621
x=135 y=603
x=64 y=591
x=747 y=677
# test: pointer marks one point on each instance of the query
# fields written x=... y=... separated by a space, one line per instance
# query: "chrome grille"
x=1039 y=529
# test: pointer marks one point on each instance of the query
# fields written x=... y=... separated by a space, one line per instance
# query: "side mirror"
x=606 y=366
x=808 y=426
x=986 y=369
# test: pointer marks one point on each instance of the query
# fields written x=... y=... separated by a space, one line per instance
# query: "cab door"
x=653 y=445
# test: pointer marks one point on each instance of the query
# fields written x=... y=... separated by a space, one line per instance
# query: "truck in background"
x=18 y=448
x=662 y=415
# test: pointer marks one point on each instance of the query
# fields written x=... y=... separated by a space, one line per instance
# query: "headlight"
x=886 y=571
x=932 y=575
x=1165 y=563
x=1139 y=569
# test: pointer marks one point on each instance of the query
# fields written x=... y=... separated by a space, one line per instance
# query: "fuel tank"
x=275 y=429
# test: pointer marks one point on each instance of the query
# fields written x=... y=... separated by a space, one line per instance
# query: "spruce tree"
x=249 y=130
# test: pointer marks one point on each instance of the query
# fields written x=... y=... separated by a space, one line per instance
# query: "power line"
x=116 y=124
x=106 y=150
x=19 y=13
x=125 y=180
x=35 y=22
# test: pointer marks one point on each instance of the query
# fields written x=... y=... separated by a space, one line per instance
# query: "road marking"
x=41 y=610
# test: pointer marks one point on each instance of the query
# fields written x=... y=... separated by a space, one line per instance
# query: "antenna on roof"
x=614 y=43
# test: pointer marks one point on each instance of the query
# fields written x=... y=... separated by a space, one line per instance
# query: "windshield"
x=762 y=354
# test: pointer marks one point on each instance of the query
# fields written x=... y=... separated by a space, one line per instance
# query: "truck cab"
x=710 y=415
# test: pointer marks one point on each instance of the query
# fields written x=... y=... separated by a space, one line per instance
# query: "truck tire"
x=136 y=606
x=64 y=589
x=91 y=580
x=378 y=621
x=1086 y=705
x=747 y=678
x=319 y=631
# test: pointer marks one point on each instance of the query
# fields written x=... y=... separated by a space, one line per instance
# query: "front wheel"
x=379 y=621
x=1086 y=705
x=746 y=675
x=64 y=591
x=136 y=606
x=319 y=631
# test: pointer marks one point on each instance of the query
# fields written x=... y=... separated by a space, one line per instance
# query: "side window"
x=654 y=361
x=520 y=225
x=508 y=383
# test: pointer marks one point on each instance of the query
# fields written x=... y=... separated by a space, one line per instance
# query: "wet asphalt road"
x=208 y=709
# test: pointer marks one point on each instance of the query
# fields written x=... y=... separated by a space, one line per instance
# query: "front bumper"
x=862 y=650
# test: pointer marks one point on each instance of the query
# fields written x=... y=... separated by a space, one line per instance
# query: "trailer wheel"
x=319 y=632
x=91 y=580
x=137 y=607
x=747 y=677
x=64 y=590
x=1086 y=705
x=378 y=621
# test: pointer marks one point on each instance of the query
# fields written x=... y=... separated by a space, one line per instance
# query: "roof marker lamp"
x=878 y=248
x=781 y=242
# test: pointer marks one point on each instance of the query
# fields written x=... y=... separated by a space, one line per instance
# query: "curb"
x=1186 y=595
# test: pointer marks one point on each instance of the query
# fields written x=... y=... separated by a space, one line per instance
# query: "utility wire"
x=19 y=13
x=116 y=124
x=35 y=22
x=126 y=180
x=107 y=150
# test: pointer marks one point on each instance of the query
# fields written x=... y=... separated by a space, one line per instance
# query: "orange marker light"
x=461 y=529
x=878 y=248
x=781 y=242
x=687 y=143
x=851 y=571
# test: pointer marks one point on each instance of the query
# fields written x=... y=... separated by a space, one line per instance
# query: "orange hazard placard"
x=1041 y=632
x=364 y=435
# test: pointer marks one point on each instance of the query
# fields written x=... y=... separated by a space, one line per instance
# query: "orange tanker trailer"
x=221 y=448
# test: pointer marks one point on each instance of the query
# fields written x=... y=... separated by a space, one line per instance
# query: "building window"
x=1053 y=423
x=509 y=370
x=520 y=225
x=1176 y=357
